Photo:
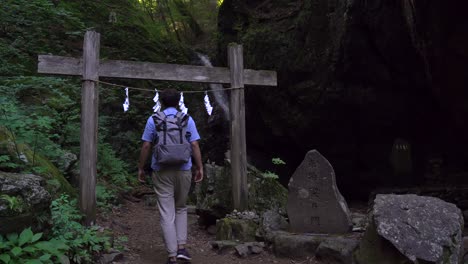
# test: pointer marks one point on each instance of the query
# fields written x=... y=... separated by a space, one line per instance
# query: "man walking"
x=172 y=182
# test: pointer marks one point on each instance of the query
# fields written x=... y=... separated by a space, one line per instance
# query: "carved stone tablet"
x=315 y=205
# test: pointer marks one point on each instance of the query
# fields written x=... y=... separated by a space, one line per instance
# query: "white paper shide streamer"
x=208 y=106
x=182 y=107
x=126 y=104
x=157 y=105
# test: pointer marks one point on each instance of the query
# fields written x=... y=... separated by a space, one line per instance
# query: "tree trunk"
x=166 y=4
x=163 y=16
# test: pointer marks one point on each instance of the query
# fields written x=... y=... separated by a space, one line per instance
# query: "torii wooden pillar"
x=91 y=68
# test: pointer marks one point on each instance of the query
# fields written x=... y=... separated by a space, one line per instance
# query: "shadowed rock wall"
x=353 y=77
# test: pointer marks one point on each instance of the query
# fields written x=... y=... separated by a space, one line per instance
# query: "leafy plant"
x=111 y=168
x=278 y=161
x=105 y=197
x=36 y=123
x=272 y=175
x=27 y=248
x=6 y=162
x=30 y=27
x=119 y=243
x=14 y=203
x=82 y=241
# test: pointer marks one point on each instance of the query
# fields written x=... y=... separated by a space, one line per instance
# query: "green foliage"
x=39 y=116
x=265 y=190
x=266 y=193
x=34 y=109
x=82 y=241
x=28 y=248
x=30 y=27
x=278 y=161
x=14 y=203
x=272 y=175
x=266 y=46
x=110 y=168
x=120 y=242
x=181 y=20
x=6 y=162
x=105 y=197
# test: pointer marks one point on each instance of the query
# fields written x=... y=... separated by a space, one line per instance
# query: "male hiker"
x=176 y=140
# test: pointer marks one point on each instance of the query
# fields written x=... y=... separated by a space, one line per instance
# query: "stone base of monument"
x=272 y=229
x=296 y=246
x=336 y=249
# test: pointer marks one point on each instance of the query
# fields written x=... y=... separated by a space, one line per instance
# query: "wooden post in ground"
x=238 y=140
x=89 y=126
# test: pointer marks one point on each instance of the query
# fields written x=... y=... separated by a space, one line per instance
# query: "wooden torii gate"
x=90 y=67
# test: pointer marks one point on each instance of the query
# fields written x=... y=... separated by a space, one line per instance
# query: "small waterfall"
x=219 y=96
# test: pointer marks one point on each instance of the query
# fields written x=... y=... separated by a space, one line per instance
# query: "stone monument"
x=315 y=205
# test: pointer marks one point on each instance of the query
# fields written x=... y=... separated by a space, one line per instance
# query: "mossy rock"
x=55 y=181
x=12 y=205
x=24 y=202
x=236 y=229
x=23 y=154
x=214 y=195
x=265 y=193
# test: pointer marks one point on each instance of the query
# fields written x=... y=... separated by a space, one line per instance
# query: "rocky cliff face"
x=354 y=76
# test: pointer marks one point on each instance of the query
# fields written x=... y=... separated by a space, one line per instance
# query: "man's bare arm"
x=198 y=161
x=145 y=150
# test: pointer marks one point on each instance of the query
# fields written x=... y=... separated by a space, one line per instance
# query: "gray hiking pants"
x=172 y=189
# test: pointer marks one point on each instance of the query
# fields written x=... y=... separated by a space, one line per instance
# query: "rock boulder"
x=412 y=229
x=23 y=199
x=290 y=245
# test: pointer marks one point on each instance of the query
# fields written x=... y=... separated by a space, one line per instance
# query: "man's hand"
x=198 y=175
x=141 y=176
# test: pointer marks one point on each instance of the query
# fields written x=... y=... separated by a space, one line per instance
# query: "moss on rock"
x=214 y=195
x=23 y=154
x=236 y=229
x=24 y=202
x=265 y=193
x=55 y=181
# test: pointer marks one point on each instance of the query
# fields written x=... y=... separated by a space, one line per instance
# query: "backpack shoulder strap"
x=159 y=119
x=182 y=119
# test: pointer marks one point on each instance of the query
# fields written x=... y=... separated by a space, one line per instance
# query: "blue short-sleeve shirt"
x=150 y=135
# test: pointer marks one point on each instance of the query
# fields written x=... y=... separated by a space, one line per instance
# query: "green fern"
x=28 y=248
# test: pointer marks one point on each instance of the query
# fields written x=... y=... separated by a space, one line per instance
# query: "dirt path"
x=140 y=224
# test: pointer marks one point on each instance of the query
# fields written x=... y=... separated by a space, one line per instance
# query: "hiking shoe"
x=169 y=261
x=183 y=254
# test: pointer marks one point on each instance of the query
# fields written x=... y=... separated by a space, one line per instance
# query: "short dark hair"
x=170 y=97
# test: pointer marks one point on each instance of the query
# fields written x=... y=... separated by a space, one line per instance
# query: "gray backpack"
x=171 y=147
